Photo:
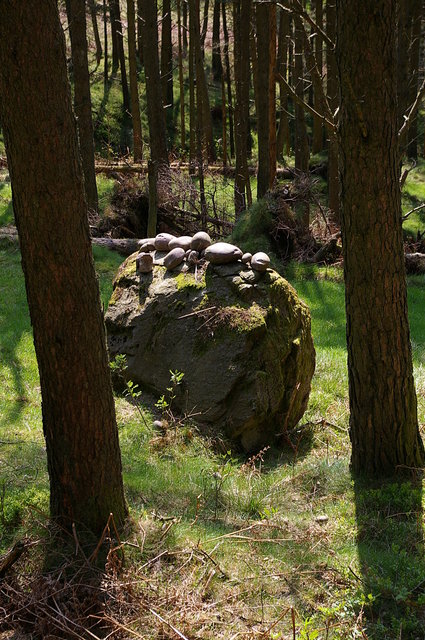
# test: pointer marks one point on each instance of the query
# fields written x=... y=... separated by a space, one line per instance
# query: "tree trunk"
x=114 y=8
x=192 y=107
x=317 y=145
x=228 y=79
x=51 y=214
x=266 y=115
x=204 y=29
x=203 y=102
x=134 y=91
x=332 y=95
x=181 y=81
x=217 y=69
x=302 y=152
x=105 y=45
x=167 y=69
x=92 y=7
x=140 y=32
x=157 y=137
x=82 y=99
x=412 y=148
x=283 y=140
x=114 y=38
x=383 y=414
x=185 y=26
x=241 y=27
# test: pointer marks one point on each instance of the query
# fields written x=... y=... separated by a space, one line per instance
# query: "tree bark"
x=283 y=140
x=266 y=116
x=228 y=79
x=383 y=413
x=82 y=99
x=317 y=144
x=105 y=46
x=332 y=95
x=157 y=137
x=217 y=69
x=92 y=7
x=412 y=148
x=51 y=214
x=302 y=151
x=114 y=8
x=167 y=69
x=181 y=81
x=241 y=27
x=134 y=90
x=140 y=32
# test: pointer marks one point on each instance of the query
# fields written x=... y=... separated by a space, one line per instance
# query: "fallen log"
x=124 y=246
x=12 y=556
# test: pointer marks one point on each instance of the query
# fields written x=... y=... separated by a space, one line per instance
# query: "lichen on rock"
x=242 y=339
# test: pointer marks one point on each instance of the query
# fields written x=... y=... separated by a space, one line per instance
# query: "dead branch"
x=329 y=125
x=406 y=215
x=13 y=556
x=411 y=114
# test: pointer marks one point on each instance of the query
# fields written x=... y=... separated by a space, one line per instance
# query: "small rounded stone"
x=147 y=244
x=246 y=258
x=183 y=242
x=162 y=241
x=260 y=261
x=222 y=253
x=200 y=241
x=144 y=262
x=174 y=258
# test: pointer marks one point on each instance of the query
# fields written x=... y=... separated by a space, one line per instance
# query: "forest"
x=212 y=319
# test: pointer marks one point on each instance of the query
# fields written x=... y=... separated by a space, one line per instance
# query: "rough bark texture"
x=283 y=140
x=181 y=79
x=317 y=145
x=332 y=95
x=157 y=138
x=241 y=26
x=134 y=91
x=51 y=215
x=82 y=99
x=228 y=79
x=217 y=68
x=383 y=414
x=93 y=15
x=266 y=116
x=114 y=7
x=167 y=68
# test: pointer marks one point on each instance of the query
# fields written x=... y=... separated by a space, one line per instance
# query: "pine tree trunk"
x=317 y=144
x=41 y=141
x=204 y=29
x=283 y=141
x=116 y=20
x=92 y=7
x=114 y=38
x=82 y=99
x=134 y=91
x=157 y=137
x=266 y=115
x=217 y=68
x=192 y=106
x=139 y=32
x=302 y=152
x=332 y=95
x=167 y=69
x=412 y=148
x=383 y=414
x=181 y=81
x=228 y=80
x=105 y=45
x=241 y=27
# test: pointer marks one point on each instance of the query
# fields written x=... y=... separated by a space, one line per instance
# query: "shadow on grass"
x=390 y=545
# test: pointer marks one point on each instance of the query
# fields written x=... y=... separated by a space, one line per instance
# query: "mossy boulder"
x=241 y=338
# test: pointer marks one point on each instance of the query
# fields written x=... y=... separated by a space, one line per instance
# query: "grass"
x=290 y=531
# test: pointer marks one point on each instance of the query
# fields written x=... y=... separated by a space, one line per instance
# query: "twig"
x=406 y=215
x=196 y=313
x=168 y=625
x=330 y=125
x=276 y=622
x=411 y=114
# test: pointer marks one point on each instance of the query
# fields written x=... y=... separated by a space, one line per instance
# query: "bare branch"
x=411 y=114
x=297 y=8
x=406 y=215
x=330 y=125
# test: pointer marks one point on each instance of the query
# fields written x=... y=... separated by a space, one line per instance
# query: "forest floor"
x=284 y=545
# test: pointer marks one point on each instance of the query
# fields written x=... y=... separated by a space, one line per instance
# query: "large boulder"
x=242 y=339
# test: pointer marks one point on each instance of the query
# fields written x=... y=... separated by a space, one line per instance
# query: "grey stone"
x=222 y=253
x=174 y=258
x=144 y=262
x=193 y=257
x=147 y=244
x=182 y=241
x=260 y=261
x=246 y=258
x=200 y=241
x=248 y=363
x=162 y=241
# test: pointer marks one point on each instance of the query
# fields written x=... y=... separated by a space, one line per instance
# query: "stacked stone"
x=192 y=250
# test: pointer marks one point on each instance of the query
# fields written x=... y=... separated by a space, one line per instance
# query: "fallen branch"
x=406 y=215
x=13 y=556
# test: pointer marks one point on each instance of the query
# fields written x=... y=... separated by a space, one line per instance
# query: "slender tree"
x=266 y=115
x=217 y=68
x=157 y=137
x=167 y=68
x=82 y=99
x=134 y=90
x=105 y=45
x=302 y=151
x=93 y=15
x=332 y=95
x=383 y=414
x=115 y=11
x=79 y=424
x=181 y=79
x=317 y=144
x=228 y=78
x=417 y=9
x=283 y=139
